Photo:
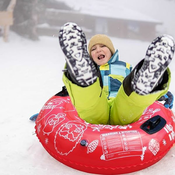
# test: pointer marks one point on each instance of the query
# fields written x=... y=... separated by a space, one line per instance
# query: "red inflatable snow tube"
x=104 y=149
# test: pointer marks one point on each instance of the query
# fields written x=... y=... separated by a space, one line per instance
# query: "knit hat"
x=101 y=39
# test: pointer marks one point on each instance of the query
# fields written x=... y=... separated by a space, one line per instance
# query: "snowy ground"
x=30 y=75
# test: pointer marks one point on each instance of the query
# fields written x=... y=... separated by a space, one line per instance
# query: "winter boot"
x=81 y=68
x=158 y=56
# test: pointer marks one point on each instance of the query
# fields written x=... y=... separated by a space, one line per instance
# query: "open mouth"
x=100 y=57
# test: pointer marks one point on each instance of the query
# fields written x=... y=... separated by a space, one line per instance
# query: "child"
x=115 y=94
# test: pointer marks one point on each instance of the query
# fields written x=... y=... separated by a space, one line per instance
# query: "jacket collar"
x=114 y=58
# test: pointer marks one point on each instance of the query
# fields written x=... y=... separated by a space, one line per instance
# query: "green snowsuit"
x=118 y=105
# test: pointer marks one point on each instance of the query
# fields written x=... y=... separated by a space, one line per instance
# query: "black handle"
x=153 y=125
x=63 y=93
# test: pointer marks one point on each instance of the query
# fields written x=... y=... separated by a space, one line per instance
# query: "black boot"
x=128 y=88
x=81 y=68
x=158 y=57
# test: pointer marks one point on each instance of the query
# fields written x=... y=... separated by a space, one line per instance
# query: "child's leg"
x=148 y=81
x=81 y=77
x=128 y=107
x=90 y=102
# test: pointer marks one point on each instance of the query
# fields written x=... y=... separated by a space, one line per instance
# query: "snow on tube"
x=104 y=149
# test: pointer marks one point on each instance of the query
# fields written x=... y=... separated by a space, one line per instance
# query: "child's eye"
x=93 y=49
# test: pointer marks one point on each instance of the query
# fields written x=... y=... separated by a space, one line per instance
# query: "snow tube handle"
x=63 y=93
x=153 y=125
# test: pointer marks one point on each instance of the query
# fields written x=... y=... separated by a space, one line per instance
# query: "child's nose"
x=98 y=49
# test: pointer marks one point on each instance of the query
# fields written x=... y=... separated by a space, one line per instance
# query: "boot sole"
x=158 y=57
x=73 y=44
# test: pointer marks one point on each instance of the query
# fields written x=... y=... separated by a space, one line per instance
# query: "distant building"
x=116 y=22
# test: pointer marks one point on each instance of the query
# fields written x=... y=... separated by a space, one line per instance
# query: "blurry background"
x=31 y=64
x=133 y=19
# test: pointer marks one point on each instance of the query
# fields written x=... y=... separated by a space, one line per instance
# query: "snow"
x=30 y=75
x=31 y=72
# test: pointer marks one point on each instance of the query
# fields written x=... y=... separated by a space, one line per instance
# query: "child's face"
x=100 y=54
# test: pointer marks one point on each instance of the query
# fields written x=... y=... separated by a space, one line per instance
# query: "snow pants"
x=93 y=106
